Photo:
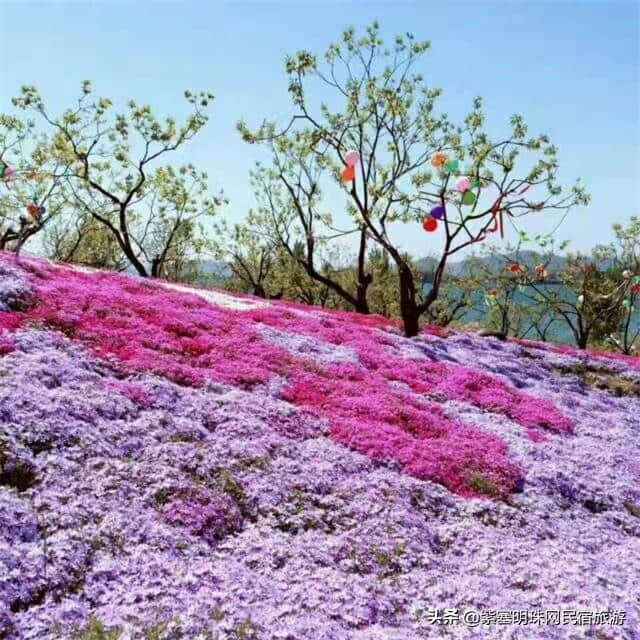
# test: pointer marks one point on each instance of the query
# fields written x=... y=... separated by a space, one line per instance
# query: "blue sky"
x=571 y=68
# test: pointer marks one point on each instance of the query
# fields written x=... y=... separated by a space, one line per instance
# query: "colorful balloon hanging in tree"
x=492 y=297
x=348 y=175
x=437 y=212
x=35 y=211
x=352 y=158
x=430 y=224
x=451 y=166
x=439 y=159
x=541 y=272
x=6 y=172
x=463 y=186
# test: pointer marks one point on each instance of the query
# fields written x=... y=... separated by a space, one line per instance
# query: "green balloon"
x=451 y=166
x=474 y=183
x=635 y=280
x=626 y=304
x=468 y=197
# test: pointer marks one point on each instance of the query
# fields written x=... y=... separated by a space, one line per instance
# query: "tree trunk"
x=138 y=266
x=408 y=308
x=364 y=279
x=6 y=237
x=125 y=244
x=505 y=322
x=155 y=267
x=362 y=306
x=131 y=257
x=582 y=334
x=411 y=328
x=410 y=318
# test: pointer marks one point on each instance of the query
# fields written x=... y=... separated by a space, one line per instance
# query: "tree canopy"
x=112 y=175
x=374 y=104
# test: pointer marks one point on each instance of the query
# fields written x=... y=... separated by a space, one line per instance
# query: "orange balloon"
x=349 y=174
x=439 y=159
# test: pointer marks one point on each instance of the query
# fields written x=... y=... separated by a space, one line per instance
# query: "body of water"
x=559 y=330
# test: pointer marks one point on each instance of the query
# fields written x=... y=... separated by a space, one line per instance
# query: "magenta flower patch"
x=352 y=381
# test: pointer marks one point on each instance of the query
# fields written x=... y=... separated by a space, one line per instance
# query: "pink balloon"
x=352 y=158
x=463 y=185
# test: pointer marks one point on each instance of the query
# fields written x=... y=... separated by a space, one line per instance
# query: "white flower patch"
x=74 y=267
x=310 y=347
x=214 y=297
x=217 y=298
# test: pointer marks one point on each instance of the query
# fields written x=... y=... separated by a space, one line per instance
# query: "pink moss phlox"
x=423 y=376
x=9 y=320
x=384 y=406
x=438 y=332
x=149 y=328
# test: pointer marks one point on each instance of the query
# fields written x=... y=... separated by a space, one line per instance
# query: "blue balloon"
x=437 y=212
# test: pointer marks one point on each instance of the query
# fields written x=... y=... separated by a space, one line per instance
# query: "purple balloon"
x=437 y=212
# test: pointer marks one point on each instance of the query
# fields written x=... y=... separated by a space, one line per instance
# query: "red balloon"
x=348 y=174
x=430 y=224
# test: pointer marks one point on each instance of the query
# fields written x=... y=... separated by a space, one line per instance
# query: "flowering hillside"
x=183 y=463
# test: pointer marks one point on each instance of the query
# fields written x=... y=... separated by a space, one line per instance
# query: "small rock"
x=633 y=509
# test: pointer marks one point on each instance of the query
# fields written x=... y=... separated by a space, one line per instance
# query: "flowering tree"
x=289 y=215
x=154 y=214
x=260 y=265
x=251 y=262
x=32 y=192
x=584 y=293
x=627 y=332
x=83 y=240
x=499 y=277
x=623 y=256
x=375 y=106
